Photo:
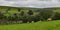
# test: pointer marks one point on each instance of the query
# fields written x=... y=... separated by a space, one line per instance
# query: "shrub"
x=24 y=19
x=1 y=15
x=33 y=18
x=45 y=14
x=30 y=12
x=19 y=9
x=57 y=16
x=36 y=18
x=22 y=13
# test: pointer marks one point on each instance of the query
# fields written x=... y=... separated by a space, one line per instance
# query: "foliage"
x=45 y=14
x=22 y=13
x=19 y=9
x=30 y=12
x=57 y=16
x=26 y=15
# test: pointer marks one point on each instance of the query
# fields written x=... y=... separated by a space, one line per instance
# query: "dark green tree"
x=30 y=12
x=7 y=9
x=45 y=14
x=22 y=13
x=19 y=9
x=1 y=15
x=56 y=16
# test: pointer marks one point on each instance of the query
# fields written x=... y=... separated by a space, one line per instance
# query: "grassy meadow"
x=50 y=25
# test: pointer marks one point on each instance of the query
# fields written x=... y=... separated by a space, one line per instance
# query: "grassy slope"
x=51 y=25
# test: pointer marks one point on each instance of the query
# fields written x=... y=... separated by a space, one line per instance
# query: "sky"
x=31 y=3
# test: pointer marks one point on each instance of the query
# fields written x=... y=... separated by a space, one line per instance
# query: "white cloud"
x=31 y=3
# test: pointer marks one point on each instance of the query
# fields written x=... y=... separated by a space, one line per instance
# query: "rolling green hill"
x=50 y=25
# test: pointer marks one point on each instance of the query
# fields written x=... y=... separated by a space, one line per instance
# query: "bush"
x=22 y=13
x=45 y=14
x=19 y=9
x=30 y=12
x=1 y=15
x=36 y=18
x=33 y=18
x=57 y=16
x=24 y=19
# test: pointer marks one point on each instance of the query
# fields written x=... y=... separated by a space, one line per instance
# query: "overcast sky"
x=31 y=3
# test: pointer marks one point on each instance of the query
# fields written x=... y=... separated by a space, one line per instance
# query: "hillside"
x=14 y=16
x=50 y=25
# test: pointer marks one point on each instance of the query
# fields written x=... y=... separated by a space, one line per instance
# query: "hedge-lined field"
x=11 y=17
x=50 y=25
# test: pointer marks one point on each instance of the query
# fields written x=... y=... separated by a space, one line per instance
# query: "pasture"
x=50 y=25
x=44 y=25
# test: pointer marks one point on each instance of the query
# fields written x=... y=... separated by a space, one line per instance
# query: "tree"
x=19 y=9
x=24 y=19
x=36 y=18
x=56 y=16
x=30 y=12
x=1 y=15
x=8 y=9
x=45 y=14
x=22 y=13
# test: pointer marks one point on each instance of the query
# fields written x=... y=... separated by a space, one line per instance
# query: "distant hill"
x=51 y=8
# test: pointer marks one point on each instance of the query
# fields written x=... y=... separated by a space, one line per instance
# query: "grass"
x=50 y=25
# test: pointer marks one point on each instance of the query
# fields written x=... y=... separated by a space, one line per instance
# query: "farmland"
x=50 y=25
x=40 y=25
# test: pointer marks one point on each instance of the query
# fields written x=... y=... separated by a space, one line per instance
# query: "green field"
x=50 y=25
x=45 y=25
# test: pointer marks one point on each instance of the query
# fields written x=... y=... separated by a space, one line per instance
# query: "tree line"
x=28 y=16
